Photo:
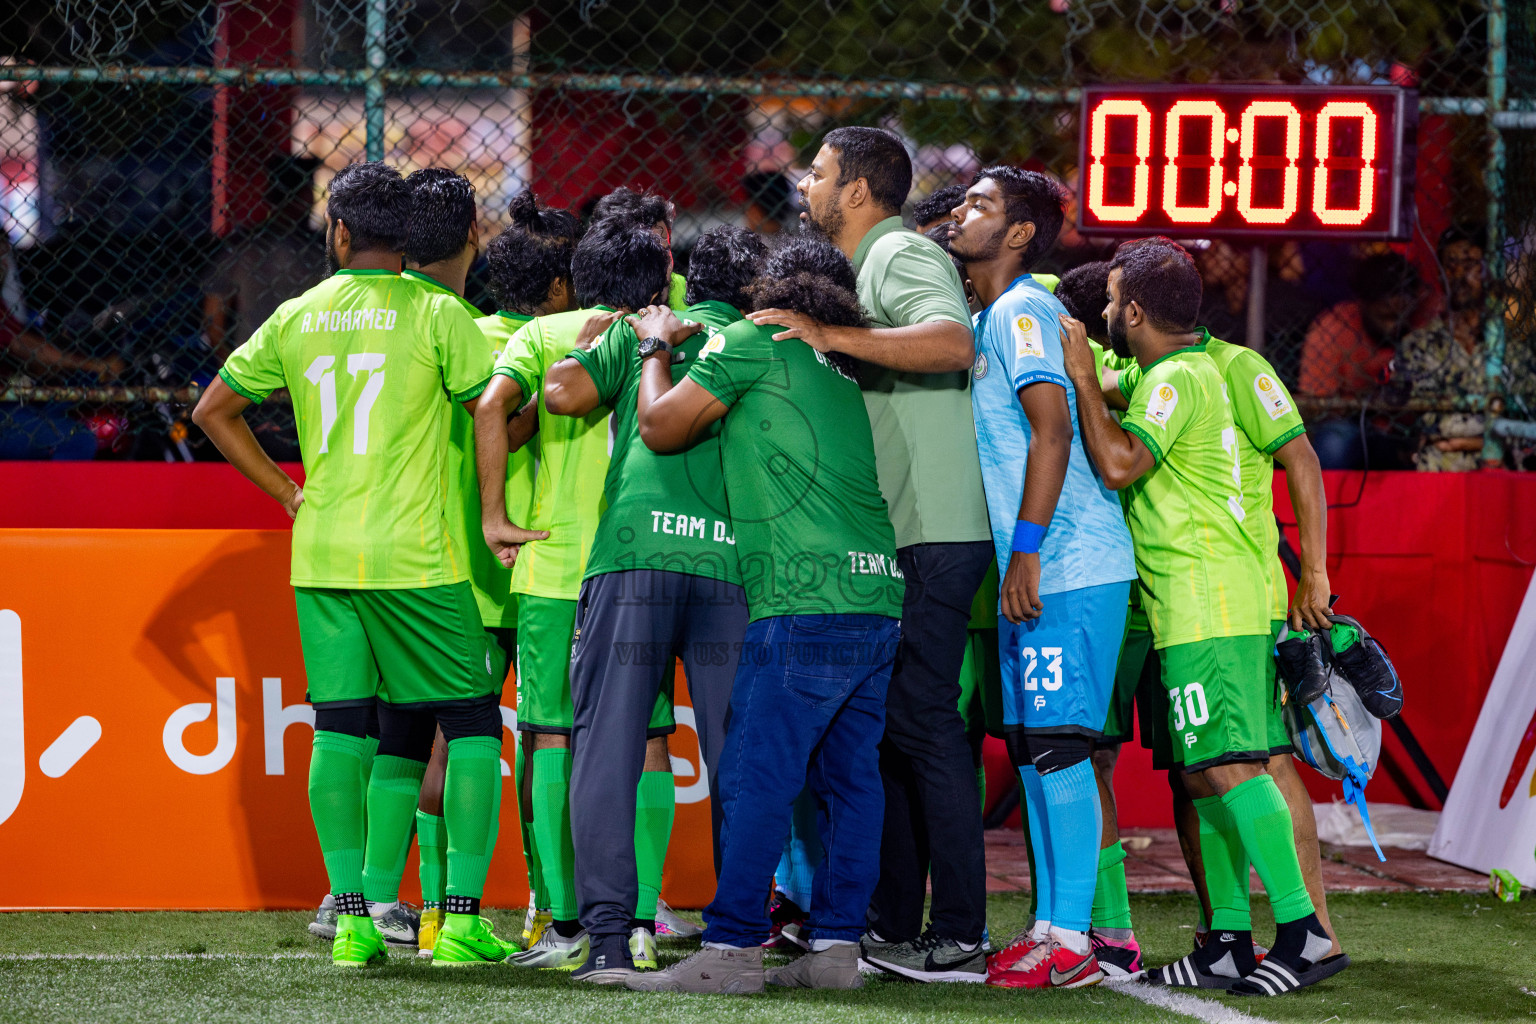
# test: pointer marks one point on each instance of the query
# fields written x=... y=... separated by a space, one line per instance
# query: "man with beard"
x=1204 y=583
x=387 y=618
x=1065 y=578
x=916 y=356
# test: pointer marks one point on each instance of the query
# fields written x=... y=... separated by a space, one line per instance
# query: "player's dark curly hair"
x=938 y=204
x=620 y=264
x=878 y=157
x=374 y=202
x=724 y=263
x=1159 y=275
x=813 y=277
x=527 y=258
x=442 y=212
x=1029 y=196
x=1082 y=290
x=640 y=209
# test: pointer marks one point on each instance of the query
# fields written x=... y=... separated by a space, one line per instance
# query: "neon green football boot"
x=466 y=940
x=358 y=942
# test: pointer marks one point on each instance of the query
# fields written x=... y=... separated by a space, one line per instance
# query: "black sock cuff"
x=566 y=929
x=351 y=904
x=461 y=904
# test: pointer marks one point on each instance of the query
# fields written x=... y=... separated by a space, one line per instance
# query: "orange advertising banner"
x=154 y=740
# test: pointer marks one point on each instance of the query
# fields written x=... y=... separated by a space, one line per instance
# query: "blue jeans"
x=807 y=710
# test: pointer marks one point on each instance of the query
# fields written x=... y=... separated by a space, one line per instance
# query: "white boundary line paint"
x=139 y=957
x=1190 y=1006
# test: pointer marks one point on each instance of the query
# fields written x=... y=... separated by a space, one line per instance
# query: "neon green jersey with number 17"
x=1267 y=419
x=1197 y=557
x=374 y=364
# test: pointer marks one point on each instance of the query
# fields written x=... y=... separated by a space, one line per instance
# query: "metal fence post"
x=1493 y=179
x=375 y=40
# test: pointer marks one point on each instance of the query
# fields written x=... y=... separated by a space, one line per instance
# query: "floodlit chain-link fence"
x=163 y=164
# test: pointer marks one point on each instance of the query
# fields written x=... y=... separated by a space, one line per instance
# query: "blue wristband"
x=1027 y=537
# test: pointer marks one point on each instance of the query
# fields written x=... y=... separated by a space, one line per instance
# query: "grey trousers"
x=630 y=627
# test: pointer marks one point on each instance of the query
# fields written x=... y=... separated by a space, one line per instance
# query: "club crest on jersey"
x=980 y=369
x=1027 y=340
x=1274 y=400
x=1164 y=399
x=715 y=343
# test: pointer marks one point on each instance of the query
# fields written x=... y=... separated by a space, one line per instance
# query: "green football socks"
x=472 y=810
x=432 y=846
x=1225 y=860
x=337 y=801
x=552 y=831
x=525 y=822
x=1264 y=823
x=1111 y=900
x=393 y=790
x=655 y=807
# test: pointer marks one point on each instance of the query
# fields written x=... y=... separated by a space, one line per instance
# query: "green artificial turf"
x=1417 y=957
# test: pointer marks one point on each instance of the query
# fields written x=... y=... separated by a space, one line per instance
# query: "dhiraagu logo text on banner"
x=154 y=738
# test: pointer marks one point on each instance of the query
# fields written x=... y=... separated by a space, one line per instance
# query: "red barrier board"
x=134 y=627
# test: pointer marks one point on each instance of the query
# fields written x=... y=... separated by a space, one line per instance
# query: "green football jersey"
x=813 y=534
x=572 y=464
x=1267 y=418
x=374 y=365
x=1202 y=574
x=664 y=512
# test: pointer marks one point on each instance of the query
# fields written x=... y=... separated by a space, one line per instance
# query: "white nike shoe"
x=399 y=923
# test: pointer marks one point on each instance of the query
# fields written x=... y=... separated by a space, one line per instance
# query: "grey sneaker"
x=929 y=957
x=324 y=924
x=834 y=967
x=729 y=971
x=672 y=925
x=400 y=925
x=552 y=952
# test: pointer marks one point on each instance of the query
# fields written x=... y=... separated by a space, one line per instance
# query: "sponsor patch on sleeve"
x=1271 y=396
x=1163 y=402
x=715 y=343
x=1027 y=340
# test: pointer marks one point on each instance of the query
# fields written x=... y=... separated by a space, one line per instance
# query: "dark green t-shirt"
x=813 y=534
x=664 y=512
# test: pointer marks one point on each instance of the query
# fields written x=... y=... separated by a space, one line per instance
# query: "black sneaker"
x=787 y=924
x=608 y=961
x=929 y=957
x=1302 y=667
x=1361 y=660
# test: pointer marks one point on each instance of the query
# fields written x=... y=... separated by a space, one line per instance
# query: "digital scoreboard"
x=1247 y=161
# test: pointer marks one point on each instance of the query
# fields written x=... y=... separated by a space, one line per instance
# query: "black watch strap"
x=649 y=346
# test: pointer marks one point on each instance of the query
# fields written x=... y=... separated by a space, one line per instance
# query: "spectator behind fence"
x=264 y=266
x=1445 y=360
x=1288 y=308
x=42 y=430
x=1347 y=354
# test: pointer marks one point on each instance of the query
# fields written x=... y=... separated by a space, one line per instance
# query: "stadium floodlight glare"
x=1248 y=161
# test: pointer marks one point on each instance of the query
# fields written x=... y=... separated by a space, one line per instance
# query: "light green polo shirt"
x=925 y=439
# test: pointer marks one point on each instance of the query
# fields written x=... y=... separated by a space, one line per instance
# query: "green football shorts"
x=546 y=633
x=405 y=647
x=1219 y=699
x=1279 y=735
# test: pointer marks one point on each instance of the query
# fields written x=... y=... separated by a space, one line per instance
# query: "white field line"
x=1188 y=1005
x=137 y=957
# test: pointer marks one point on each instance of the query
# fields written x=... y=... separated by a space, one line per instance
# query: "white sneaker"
x=324 y=924
x=642 y=949
x=552 y=952
x=399 y=923
x=672 y=925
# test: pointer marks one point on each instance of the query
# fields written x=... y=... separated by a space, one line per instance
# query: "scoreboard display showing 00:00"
x=1254 y=161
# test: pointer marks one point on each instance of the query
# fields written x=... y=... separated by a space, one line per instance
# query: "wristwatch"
x=650 y=346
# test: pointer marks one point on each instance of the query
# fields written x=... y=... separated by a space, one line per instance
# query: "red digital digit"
x=1209 y=161
x=1328 y=163
x=1099 y=160
x=1290 y=179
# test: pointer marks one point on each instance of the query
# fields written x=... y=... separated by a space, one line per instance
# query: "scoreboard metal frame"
x=1247 y=193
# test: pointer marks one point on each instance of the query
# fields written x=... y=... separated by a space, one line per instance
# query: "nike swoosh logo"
x=1058 y=978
